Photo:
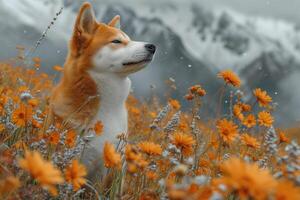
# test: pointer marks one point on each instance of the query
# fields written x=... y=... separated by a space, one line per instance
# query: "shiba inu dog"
x=95 y=84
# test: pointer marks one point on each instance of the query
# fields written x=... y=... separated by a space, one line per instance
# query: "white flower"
x=190 y=161
x=25 y=96
x=165 y=154
x=201 y=180
x=161 y=182
x=216 y=196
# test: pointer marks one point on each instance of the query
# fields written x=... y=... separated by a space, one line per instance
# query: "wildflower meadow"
x=168 y=152
x=172 y=150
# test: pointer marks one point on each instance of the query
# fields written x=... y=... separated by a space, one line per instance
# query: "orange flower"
x=184 y=142
x=20 y=145
x=249 y=121
x=151 y=175
x=194 y=88
x=98 y=128
x=58 y=68
x=75 y=174
x=282 y=137
x=112 y=159
x=177 y=194
x=183 y=126
x=245 y=107
x=53 y=138
x=152 y=114
x=36 y=124
x=22 y=115
x=197 y=90
x=285 y=190
x=189 y=97
x=131 y=153
x=8 y=185
x=134 y=159
x=44 y=75
x=211 y=155
x=201 y=92
x=33 y=102
x=247 y=180
x=70 y=138
x=214 y=142
x=58 y=125
x=31 y=72
x=230 y=78
x=42 y=171
x=262 y=97
x=135 y=111
x=150 y=148
x=250 y=141
x=237 y=111
x=142 y=164
x=36 y=59
x=174 y=103
x=228 y=130
x=265 y=119
x=132 y=168
x=3 y=99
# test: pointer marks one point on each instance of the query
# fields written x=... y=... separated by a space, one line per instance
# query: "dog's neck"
x=113 y=89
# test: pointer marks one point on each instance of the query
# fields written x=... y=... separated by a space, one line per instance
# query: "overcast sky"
x=286 y=9
x=282 y=9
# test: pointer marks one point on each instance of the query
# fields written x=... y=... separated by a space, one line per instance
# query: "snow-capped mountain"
x=194 y=42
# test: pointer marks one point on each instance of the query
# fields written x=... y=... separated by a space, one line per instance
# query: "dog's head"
x=105 y=48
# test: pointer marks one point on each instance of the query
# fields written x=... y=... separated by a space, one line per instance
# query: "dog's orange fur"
x=76 y=96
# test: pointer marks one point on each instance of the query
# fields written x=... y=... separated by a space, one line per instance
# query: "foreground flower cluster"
x=168 y=153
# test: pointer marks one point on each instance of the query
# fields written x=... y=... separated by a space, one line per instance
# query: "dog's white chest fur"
x=113 y=91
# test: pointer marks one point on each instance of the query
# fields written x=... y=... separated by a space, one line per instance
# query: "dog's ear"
x=84 y=28
x=115 y=22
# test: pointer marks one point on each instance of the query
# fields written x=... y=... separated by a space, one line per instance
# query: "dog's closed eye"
x=116 y=41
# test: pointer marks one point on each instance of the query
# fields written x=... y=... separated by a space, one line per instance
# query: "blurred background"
x=258 y=39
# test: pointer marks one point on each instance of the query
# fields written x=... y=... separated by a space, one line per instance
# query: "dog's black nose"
x=151 y=48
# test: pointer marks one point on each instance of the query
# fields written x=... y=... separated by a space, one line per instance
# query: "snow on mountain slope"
x=234 y=39
x=210 y=35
